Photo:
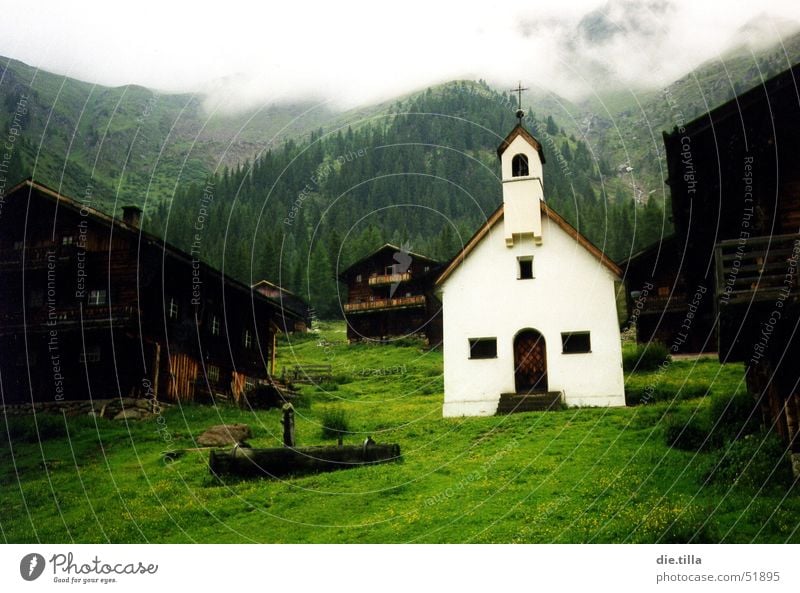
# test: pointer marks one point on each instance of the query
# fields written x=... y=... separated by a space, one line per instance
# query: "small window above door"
x=525 y=267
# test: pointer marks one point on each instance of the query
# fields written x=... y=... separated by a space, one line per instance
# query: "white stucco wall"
x=571 y=291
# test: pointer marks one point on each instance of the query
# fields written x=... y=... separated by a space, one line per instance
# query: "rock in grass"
x=129 y=414
x=224 y=435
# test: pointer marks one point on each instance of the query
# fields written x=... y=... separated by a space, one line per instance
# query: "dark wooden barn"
x=390 y=295
x=734 y=176
x=300 y=321
x=663 y=305
x=93 y=307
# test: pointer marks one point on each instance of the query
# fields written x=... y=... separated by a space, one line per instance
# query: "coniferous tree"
x=552 y=128
x=427 y=180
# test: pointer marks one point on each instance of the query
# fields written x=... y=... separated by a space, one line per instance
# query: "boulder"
x=224 y=435
x=795 y=459
x=129 y=414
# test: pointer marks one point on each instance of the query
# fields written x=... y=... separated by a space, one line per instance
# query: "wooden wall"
x=140 y=277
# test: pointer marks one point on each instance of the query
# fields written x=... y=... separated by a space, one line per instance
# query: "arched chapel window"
x=519 y=166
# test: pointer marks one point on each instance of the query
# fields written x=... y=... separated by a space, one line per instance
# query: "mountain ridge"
x=132 y=145
x=165 y=140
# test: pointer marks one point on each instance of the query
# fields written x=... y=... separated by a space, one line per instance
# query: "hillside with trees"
x=295 y=192
x=424 y=175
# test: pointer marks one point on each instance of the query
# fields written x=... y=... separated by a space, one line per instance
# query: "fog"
x=352 y=54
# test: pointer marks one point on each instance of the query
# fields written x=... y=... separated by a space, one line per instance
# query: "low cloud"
x=241 y=56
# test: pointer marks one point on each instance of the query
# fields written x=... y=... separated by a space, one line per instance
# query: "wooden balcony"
x=381 y=279
x=59 y=255
x=757 y=269
x=36 y=257
x=661 y=304
x=61 y=317
x=379 y=304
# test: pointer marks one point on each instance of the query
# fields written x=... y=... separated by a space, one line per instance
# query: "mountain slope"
x=131 y=144
x=420 y=169
x=134 y=144
x=426 y=176
x=626 y=126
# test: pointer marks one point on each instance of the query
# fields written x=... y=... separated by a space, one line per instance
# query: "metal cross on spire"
x=518 y=90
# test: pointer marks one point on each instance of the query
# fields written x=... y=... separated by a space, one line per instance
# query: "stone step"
x=513 y=403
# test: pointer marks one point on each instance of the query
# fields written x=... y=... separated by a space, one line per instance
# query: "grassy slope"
x=577 y=475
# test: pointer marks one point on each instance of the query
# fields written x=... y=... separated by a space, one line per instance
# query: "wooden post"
x=274 y=351
x=156 y=368
x=792 y=421
x=274 y=329
x=288 y=425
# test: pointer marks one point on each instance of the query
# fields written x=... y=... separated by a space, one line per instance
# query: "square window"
x=173 y=309
x=575 y=342
x=663 y=291
x=36 y=298
x=67 y=240
x=28 y=359
x=212 y=372
x=91 y=354
x=482 y=348
x=97 y=297
x=525 y=267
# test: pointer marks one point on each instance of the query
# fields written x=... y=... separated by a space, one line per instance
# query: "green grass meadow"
x=573 y=475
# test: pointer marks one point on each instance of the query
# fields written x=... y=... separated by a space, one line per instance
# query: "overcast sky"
x=357 y=53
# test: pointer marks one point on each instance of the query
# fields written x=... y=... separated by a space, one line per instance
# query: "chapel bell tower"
x=521 y=161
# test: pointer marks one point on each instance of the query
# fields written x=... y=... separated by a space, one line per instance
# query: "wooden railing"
x=309 y=373
x=757 y=268
x=36 y=257
x=40 y=257
x=380 y=279
x=61 y=316
x=664 y=303
x=410 y=301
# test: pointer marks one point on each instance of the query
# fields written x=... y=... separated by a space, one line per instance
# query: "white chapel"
x=529 y=307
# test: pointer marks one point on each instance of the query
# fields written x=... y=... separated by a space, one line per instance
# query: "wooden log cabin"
x=300 y=321
x=734 y=177
x=390 y=295
x=663 y=306
x=93 y=307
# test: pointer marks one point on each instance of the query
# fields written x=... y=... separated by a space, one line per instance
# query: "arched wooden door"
x=530 y=362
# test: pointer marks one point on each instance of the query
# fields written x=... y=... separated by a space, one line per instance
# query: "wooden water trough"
x=283 y=461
